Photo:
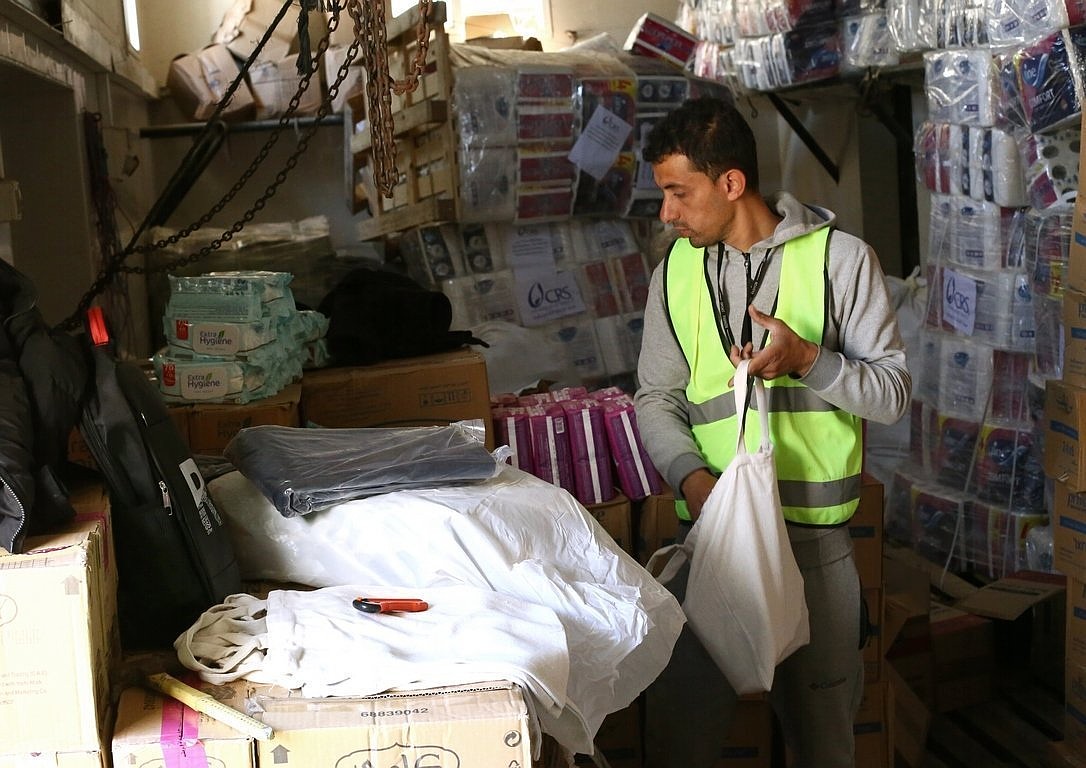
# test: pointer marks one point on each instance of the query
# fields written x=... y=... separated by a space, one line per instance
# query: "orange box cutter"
x=389 y=604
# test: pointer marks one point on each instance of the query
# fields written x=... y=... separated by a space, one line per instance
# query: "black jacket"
x=43 y=379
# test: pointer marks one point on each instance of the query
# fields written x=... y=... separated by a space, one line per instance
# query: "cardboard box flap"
x=1013 y=595
x=939 y=577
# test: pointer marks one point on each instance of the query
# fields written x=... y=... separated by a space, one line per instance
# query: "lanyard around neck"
x=753 y=285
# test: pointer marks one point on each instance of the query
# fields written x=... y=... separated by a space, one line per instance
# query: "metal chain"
x=369 y=26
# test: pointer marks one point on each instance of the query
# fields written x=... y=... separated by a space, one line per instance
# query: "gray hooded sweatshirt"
x=860 y=367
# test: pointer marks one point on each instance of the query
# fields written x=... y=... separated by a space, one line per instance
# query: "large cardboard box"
x=156 y=730
x=472 y=725
x=750 y=736
x=416 y=391
x=866 y=529
x=275 y=82
x=58 y=635
x=657 y=526
x=199 y=80
x=1074 y=338
x=1076 y=267
x=88 y=759
x=873 y=728
x=1065 y=423
x=1069 y=532
x=211 y=426
x=616 y=518
x=1075 y=644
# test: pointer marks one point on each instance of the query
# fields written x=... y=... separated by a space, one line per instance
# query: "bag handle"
x=742 y=405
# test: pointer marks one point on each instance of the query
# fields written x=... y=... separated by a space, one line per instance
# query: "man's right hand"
x=695 y=489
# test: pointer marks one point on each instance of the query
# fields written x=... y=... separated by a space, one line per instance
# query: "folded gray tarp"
x=302 y=470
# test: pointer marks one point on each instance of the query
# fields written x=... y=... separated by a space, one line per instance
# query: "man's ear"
x=732 y=183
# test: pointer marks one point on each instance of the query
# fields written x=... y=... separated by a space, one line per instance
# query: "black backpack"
x=175 y=558
x=377 y=314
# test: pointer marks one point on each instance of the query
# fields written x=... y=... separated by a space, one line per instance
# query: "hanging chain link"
x=385 y=150
x=369 y=27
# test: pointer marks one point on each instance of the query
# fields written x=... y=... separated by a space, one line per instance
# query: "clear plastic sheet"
x=303 y=470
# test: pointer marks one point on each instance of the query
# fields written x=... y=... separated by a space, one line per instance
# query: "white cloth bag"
x=744 y=596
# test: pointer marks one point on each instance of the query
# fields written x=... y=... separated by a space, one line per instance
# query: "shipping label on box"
x=419 y=391
x=476 y=725
x=1069 y=532
x=55 y=641
x=156 y=730
x=1065 y=420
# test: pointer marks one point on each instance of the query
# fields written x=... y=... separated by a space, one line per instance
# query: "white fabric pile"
x=522 y=582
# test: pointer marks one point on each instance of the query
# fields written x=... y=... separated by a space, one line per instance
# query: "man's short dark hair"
x=713 y=136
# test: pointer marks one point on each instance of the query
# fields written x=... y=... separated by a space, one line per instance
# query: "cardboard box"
x=1010 y=597
x=153 y=729
x=250 y=29
x=963 y=654
x=58 y=632
x=750 y=736
x=873 y=728
x=211 y=426
x=92 y=759
x=616 y=518
x=472 y=725
x=866 y=530
x=417 y=391
x=619 y=737
x=1065 y=422
x=1075 y=643
x=873 y=651
x=1074 y=338
x=275 y=82
x=1074 y=706
x=1063 y=754
x=198 y=81
x=912 y=720
x=658 y=525
x=1069 y=532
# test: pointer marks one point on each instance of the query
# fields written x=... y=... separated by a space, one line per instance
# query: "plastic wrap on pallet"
x=866 y=41
x=432 y=254
x=995 y=308
x=1017 y=22
x=1051 y=162
x=488 y=183
x=479 y=299
x=576 y=337
x=620 y=341
x=590 y=453
x=938 y=524
x=484 y=101
x=978 y=162
x=1048 y=343
x=996 y=537
x=1041 y=83
x=606 y=111
x=961 y=86
x=1040 y=243
x=964 y=374
x=981 y=234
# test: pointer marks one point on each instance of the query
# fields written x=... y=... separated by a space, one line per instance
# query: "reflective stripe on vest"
x=818 y=447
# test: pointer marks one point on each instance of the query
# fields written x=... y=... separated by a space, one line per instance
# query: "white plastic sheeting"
x=515 y=535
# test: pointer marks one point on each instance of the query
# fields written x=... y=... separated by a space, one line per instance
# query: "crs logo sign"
x=540 y=295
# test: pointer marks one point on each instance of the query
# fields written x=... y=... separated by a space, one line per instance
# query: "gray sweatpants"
x=816 y=691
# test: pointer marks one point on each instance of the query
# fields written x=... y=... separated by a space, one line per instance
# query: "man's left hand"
x=786 y=353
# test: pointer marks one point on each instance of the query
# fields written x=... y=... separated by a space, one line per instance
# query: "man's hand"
x=786 y=352
x=696 y=488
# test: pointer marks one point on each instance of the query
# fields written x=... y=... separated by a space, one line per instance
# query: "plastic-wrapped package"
x=970 y=161
x=1016 y=22
x=432 y=253
x=1051 y=163
x=1042 y=82
x=1040 y=243
x=212 y=380
x=550 y=445
x=1008 y=469
x=637 y=475
x=867 y=42
x=938 y=524
x=513 y=429
x=576 y=335
x=484 y=102
x=589 y=451
x=597 y=289
x=1009 y=400
x=785 y=58
x=233 y=297
x=960 y=24
x=302 y=470
x=1048 y=344
x=219 y=339
x=488 y=183
x=478 y=299
x=961 y=86
x=965 y=377
x=715 y=21
x=754 y=17
x=981 y=234
x=912 y=24
x=620 y=341
x=996 y=537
